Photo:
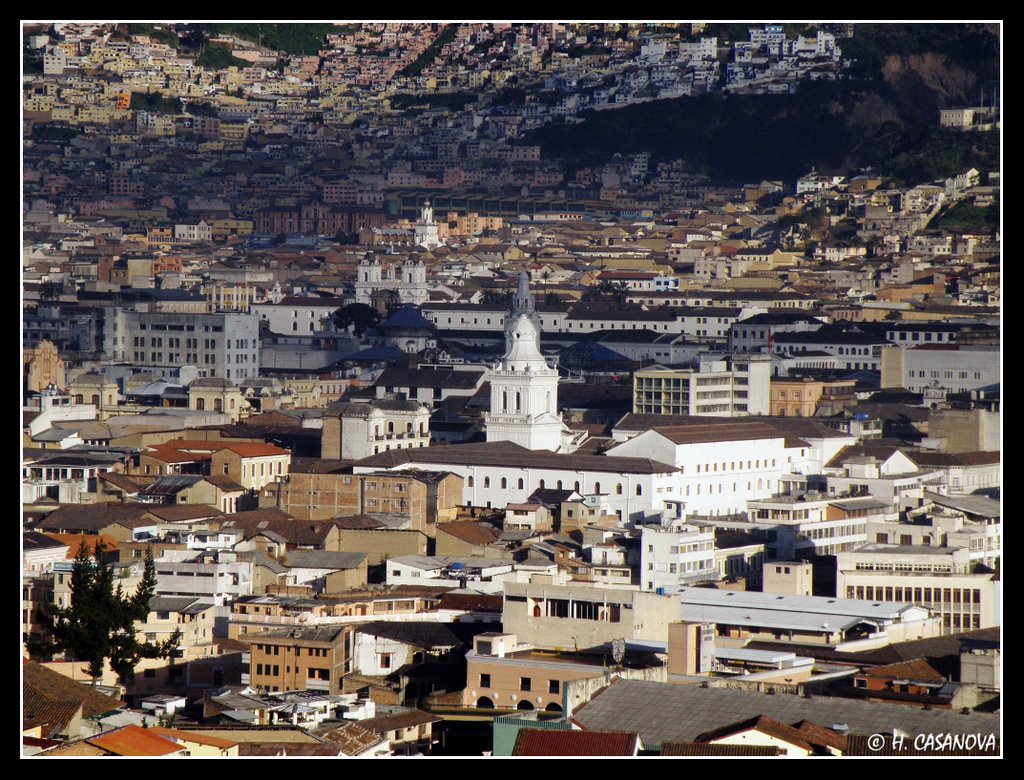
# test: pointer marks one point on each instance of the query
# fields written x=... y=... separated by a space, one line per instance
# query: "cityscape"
x=511 y=389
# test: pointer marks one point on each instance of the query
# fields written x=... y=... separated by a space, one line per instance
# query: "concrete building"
x=734 y=387
x=939 y=369
x=218 y=577
x=424 y=497
x=502 y=672
x=676 y=556
x=225 y=345
x=941 y=579
x=564 y=617
x=312 y=659
x=792 y=578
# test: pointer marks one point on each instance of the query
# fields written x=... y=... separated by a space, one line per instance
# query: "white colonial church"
x=425 y=230
x=524 y=388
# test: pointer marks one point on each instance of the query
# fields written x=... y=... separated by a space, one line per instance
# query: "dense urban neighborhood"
x=511 y=389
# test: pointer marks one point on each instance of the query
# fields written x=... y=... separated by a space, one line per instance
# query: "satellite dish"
x=618 y=650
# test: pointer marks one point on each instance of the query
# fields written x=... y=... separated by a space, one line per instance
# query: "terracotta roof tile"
x=135 y=741
x=706 y=749
x=542 y=742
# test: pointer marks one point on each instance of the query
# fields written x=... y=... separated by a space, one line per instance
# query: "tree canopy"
x=99 y=624
x=357 y=316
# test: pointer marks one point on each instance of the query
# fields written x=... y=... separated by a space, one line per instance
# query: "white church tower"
x=425 y=230
x=524 y=388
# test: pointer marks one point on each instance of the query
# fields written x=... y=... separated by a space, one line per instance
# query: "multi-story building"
x=676 y=556
x=854 y=350
x=564 y=617
x=312 y=659
x=943 y=579
x=218 y=577
x=941 y=369
x=301 y=316
x=225 y=345
x=805 y=526
x=938 y=526
x=355 y=430
x=724 y=388
x=501 y=673
x=425 y=497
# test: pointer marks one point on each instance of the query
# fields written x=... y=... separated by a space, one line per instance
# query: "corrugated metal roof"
x=662 y=712
x=816 y=605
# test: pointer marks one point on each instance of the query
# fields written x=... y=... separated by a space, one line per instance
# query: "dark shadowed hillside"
x=888 y=111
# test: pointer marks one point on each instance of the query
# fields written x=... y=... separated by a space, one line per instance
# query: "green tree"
x=99 y=625
x=357 y=316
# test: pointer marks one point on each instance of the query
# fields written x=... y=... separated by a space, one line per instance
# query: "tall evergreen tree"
x=100 y=622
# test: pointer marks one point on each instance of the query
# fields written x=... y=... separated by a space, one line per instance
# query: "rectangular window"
x=524 y=683
x=485 y=681
x=553 y=686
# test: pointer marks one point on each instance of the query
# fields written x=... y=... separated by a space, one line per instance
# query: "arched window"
x=408 y=427
x=618 y=489
x=423 y=429
x=391 y=427
x=504 y=483
x=231 y=403
x=200 y=404
x=469 y=482
x=576 y=486
x=558 y=486
x=597 y=487
x=504 y=400
x=96 y=399
x=540 y=485
x=520 y=483
x=519 y=402
x=639 y=490
x=218 y=404
x=376 y=431
x=487 y=482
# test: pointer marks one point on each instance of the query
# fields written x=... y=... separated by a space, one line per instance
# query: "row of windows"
x=471 y=482
x=921 y=596
x=946 y=374
x=712 y=467
x=525 y=684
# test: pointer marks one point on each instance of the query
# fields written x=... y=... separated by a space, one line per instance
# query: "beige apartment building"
x=501 y=674
x=565 y=617
x=939 y=578
x=297 y=659
x=425 y=497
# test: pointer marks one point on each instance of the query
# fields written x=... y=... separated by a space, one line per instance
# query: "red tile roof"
x=135 y=741
x=542 y=742
x=75 y=541
x=191 y=736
